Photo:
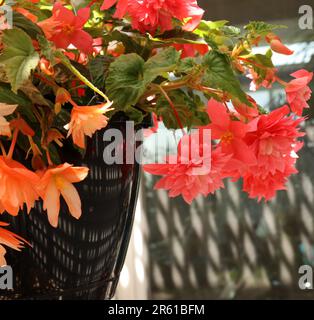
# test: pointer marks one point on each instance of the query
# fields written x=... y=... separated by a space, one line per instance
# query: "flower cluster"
x=150 y=15
x=66 y=69
x=262 y=151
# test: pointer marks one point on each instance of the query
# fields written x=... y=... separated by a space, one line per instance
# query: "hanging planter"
x=69 y=73
x=81 y=259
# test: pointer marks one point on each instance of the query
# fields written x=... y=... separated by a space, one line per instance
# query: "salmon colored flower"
x=149 y=15
x=230 y=133
x=190 y=50
x=59 y=181
x=65 y=29
x=18 y=186
x=298 y=91
x=274 y=139
x=10 y=240
x=86 y=120
x=121 y=7
x=265 y=186
x=198 y=174
x=5 y=110
x=276 y=44
x=275 y=144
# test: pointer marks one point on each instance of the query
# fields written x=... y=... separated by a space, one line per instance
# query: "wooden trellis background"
x=228 y=246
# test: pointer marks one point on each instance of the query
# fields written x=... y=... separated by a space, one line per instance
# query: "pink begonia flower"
x=149 y=15
x=275 y=145
x=189 y=174
x=230 y=133
x=65 y=28
x=298 y=91
x=265 y=186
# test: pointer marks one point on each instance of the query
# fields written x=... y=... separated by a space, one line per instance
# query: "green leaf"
x=129 y=75
x=125 y=82
x=46 y=48
x=9 y=97
x=21 y=22
x=134 y=114
x=264 y=59
x=231 y=31
x=33 y=93
x=165 y=61
x=19 y=57
x=177 y=36
x=219 y=75
x=191 y=110
x=262 y=28
x=205 y=27
x=263 y=63
x=98 y=69
x=187 y=65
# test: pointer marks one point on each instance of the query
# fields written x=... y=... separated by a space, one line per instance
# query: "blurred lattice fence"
x=228 y=246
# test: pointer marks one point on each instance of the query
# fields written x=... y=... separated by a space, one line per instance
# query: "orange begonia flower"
x=9 y=239
x=85 y=121
x=18 y=186
x=5 y=110
x=58 y=181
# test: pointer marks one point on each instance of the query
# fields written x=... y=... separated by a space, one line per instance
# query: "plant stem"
x=176 y=114
x=91 y=3
x=2 y=149
x=43 y=79
x=50 y=163
x=253 y=63
x=282 y=82
x=207 y=89
x=69 y=65
x=13 y=143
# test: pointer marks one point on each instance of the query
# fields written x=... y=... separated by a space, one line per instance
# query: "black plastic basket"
x=81 y=259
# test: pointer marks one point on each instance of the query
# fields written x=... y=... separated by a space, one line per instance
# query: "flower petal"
x=72 y=199
x=52 y=203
